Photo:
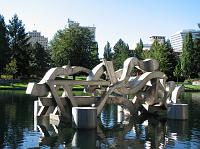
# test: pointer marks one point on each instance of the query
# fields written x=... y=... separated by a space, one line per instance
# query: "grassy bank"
x=192 y=88
x=14 y=86
x=22 y=85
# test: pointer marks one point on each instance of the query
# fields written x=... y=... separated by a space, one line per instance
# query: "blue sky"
x=113 y=19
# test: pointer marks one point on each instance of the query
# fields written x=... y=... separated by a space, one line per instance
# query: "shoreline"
x=78 y=89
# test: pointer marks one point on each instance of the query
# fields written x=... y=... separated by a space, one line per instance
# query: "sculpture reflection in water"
x=144 y=131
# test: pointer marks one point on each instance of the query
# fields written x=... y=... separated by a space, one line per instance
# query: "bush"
x=188 y=81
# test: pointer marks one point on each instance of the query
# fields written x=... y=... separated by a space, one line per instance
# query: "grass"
x=189 y=86
x=23 y=85
x=14 y=86
x=192 y=87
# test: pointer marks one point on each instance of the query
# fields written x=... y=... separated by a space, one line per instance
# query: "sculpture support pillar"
x=84 y=117
x=177 y=111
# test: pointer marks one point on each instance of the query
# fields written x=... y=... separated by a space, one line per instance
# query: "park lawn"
x=13 y=86
x=192 y=87
x=24 y=83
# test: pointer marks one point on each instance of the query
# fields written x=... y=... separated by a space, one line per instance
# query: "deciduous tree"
x=11 y=67
x=74 y=45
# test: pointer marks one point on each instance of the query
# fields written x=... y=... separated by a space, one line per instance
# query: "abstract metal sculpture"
x=138 y=84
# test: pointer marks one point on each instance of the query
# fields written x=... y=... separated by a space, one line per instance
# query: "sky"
x=129 y=20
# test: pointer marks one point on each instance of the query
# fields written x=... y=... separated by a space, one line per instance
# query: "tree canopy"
x=4 y=45
x=19 y=45
x=121 y=53
x=107 y=52
x=40 y=60
x=188 y=57
x=197 y=54
x=74 y=45
x=139 y=50
x=164 y=54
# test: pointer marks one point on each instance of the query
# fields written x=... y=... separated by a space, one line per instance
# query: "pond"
x=17 y=129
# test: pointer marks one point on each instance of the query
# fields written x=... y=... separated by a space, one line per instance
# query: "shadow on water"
x=16 y=128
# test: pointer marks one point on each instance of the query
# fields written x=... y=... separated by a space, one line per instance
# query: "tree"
x=139 y=49
x=19 y=45
x=93 y=56
x=164 y=54
x=146 y=54
x=167 y=59
x=121 y=53
x=4 y=46
x=75 y=45
x=155 y=50
x=40 y=60
x=188 y=57
x=11 y=67
x=172 y=60
x=107 y=52
x=197 y=53
x=59 y=49
x=177 y=70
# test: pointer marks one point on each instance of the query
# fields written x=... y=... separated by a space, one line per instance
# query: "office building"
x=178 y=38
x=160 y=39
x=36 y=37
x=91 y=28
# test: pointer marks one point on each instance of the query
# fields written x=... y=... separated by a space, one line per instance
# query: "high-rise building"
x=160 y=39
x=91 y=28
x=178 y=38
x=36 y=37
x=147 y=46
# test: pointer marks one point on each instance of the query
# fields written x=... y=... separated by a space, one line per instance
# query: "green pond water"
x=18 y=130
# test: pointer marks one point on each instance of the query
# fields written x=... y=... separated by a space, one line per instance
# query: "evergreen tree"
x=172 y=60
x=93 y=56
x=121 y=53
x=4 y=46
x=146 y=54
x=197 y=53
x=40 y=60
x=177 y=70
x=155 y=50
x=188 y=57
x=168 y=60
x=139 y=50
x=107 y=52
x=19 y=45
x=164 y=54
